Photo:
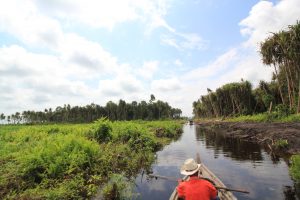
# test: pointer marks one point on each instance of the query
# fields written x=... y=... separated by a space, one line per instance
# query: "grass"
x=281 y=143
x=295 y=167
x=72 y=161
x=265 y=117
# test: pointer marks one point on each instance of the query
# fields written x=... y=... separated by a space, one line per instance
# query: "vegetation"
x=230 y=99
x=295 y=167
x=281 y=143
x=277 y=99
x=266 y=117
x=75 y=161
x=154 y=110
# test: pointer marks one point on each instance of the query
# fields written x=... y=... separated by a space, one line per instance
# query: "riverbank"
x=279 y=137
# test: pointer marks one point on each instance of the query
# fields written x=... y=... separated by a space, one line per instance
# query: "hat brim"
x=187 y=173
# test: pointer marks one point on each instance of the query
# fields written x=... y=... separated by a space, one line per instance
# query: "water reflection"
x=229 y=147
x=238 y=164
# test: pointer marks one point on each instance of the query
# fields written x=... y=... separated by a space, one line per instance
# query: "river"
x=238 y=164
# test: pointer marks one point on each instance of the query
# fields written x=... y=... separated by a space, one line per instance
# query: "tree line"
x=152 y=110
x=281 y=50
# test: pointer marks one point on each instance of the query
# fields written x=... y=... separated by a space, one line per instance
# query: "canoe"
x=206 y=173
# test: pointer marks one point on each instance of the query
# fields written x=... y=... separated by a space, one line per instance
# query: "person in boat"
x=195 y=188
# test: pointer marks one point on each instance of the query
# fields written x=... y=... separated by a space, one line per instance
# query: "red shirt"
x=196 y=189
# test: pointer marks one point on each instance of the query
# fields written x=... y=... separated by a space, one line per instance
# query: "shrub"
x=133 y=134
x=167 y=129
x=101 y=130
x=282 y=110
x=57 y=156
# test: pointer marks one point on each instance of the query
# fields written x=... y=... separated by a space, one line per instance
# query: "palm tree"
x=152 y=98
x=282 y=50
x=2 y=117
x=8 y=119
x=210 y=95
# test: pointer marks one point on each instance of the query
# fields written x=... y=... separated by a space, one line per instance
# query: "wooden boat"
x=206 y=173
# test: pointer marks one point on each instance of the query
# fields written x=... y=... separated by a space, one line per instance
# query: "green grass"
x=72 y=161
x=281 y=143
x=295 y=167
x=266 y=117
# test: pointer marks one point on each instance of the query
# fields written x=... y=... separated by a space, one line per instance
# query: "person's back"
x=195 y=188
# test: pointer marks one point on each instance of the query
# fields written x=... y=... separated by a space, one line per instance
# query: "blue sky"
x=78 y=52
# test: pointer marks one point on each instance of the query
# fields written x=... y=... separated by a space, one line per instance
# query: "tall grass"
x=72 y=161
x=266 y=117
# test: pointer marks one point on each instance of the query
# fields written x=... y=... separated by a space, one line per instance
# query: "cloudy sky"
x=55 y=52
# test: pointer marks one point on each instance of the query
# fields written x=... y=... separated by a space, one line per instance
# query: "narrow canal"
x=238 y=164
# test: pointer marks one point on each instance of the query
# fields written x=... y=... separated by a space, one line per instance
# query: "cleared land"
x=280 y=137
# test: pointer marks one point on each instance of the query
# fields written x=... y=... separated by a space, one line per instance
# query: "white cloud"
x=120 y=86
x=184 y=41
x=33 y=28
x=130 y=84
x=28 y=25
x=266 y=17
x=38 y=81
x=15 y=61
x=105 y=14
x=148 y=69
x=192 y=41
x=249 y=67
x=110 y=88
x=93 y=13
x=169 y=40
x=87 y=56
x=221 y=64
x=166 y=85
x=177 y=62
x=27 y=77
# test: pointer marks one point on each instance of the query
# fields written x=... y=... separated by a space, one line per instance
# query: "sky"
x=78 y=52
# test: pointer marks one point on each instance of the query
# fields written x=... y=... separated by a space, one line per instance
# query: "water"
x=238 y=164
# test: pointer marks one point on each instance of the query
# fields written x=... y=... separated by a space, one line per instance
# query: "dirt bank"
x=279 y=137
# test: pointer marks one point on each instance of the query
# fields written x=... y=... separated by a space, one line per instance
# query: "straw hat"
x=189 y=167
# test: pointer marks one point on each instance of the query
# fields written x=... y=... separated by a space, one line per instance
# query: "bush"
x=101 y=130
x=167 y=129
x=57 y=156
x=282 y=110
x=137 y=137
x=123 y=132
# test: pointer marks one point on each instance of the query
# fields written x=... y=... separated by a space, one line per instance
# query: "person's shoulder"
x=206 y=182
x=182 y=183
